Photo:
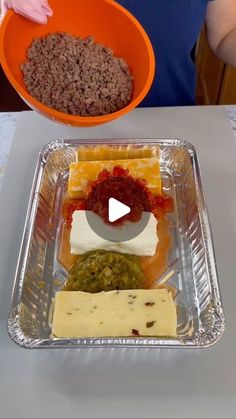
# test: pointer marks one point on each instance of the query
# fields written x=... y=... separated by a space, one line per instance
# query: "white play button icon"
x=117 y=210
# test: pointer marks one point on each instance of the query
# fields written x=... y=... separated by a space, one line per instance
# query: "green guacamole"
x=101 y=270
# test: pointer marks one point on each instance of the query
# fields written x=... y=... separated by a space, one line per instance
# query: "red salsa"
x=71 y=205
x=119 y=184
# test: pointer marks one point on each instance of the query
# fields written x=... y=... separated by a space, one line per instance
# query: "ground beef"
x=76 y=76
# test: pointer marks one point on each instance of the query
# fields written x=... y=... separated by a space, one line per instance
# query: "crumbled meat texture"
x=76 y=76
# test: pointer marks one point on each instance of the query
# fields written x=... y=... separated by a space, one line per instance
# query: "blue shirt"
x=173 y=27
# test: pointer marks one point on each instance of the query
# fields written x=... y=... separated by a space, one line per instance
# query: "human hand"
x=36 y=10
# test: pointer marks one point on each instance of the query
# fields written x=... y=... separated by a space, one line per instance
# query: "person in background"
x=173 y=27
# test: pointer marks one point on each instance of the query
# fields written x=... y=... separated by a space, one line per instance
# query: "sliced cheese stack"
x=114 y=313
x=84 y=171
x=109 y=152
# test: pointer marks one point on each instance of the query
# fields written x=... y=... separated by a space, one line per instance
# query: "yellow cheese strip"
x=114 y=313
x=83 y=171
x=109 y=152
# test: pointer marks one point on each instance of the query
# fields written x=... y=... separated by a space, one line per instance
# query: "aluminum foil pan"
x=39 y=275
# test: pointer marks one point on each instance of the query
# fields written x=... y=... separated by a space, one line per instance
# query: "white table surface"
x=8 y=121
x=123 y=382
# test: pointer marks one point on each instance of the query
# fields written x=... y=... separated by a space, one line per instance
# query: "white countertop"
x=8 y=121
x=123 y=382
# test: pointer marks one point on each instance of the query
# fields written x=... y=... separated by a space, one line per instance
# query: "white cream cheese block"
x=84 y=239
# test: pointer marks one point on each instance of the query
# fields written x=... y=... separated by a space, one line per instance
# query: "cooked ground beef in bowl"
x=76 y=76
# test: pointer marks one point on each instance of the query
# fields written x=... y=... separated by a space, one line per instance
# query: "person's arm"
x=36 y=10
x=221 y=29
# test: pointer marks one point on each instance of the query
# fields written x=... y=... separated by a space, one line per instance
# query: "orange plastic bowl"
x=107 y=21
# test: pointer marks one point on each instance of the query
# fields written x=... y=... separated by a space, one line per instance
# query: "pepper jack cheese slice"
x=84 y=171
x=114 y=313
